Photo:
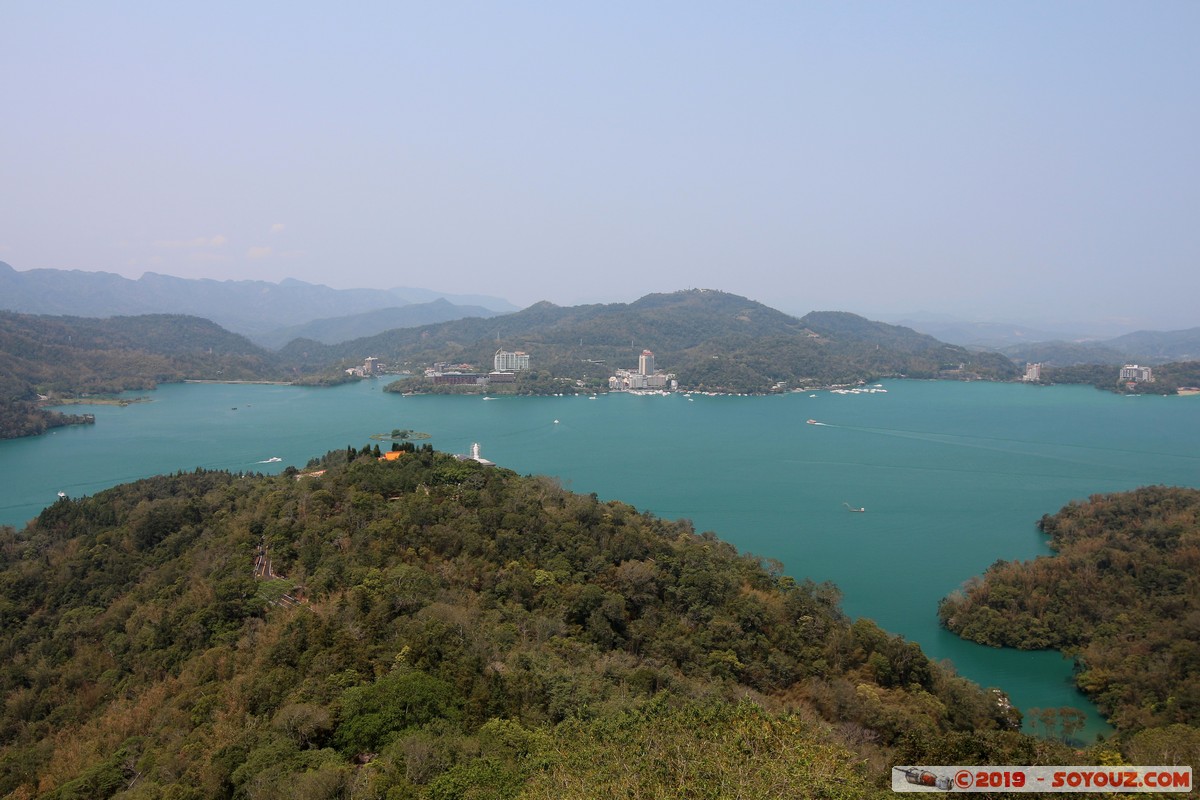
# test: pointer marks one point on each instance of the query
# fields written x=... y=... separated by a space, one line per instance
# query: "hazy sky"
x=1004 y=160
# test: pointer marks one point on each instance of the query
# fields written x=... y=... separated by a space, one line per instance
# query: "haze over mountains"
x=257 y=309
x=994 y=334
x=1144 y=347
x=335 y=330
x=275 y=314
x=1061 y=344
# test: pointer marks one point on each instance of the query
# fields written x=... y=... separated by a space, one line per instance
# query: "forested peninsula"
x=1169 y=378
x=1122 y=595
x=45 y=358
x=425 y=627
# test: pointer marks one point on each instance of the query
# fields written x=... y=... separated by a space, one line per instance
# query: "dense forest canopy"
x=78 y=355
x=1122 y=595
x=431 y=628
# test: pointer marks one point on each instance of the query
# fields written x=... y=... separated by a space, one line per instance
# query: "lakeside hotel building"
x=646 y=363
x=646 y=377
x=507 y=361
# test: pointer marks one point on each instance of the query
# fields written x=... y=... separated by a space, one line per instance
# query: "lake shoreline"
x=238 y=383
x=96 y=401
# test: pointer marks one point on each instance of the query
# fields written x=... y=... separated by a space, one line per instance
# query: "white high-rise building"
x=1132 y=372
x=646 y=363
x=507 y=361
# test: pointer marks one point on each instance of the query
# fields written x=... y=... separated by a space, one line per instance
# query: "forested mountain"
x=370 y=323
x=1062 y=344
x=1143 y=347
x=1122 y=594
x=711 y=340
x=247 y=307
x=497 y=305
x=1160 y=346
x=1066 y=354
x=69 y=356
x=79 y=354
x=1168 y=378
x=985 y=335
x=444 y=630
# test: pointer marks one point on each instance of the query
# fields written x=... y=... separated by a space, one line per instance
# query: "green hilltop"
x=431 y=628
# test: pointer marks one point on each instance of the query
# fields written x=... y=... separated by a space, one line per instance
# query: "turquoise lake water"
x=953 y=476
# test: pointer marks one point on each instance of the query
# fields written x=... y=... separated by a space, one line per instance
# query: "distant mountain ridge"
x=1165 y=345
x=416 y=296
x=1057 y=345
x=369 y=323
x=248 y=307
x=989 y=335
x=1146 y=347
x=997 y=334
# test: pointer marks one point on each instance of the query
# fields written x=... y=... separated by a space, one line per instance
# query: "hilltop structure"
x=476 y=455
